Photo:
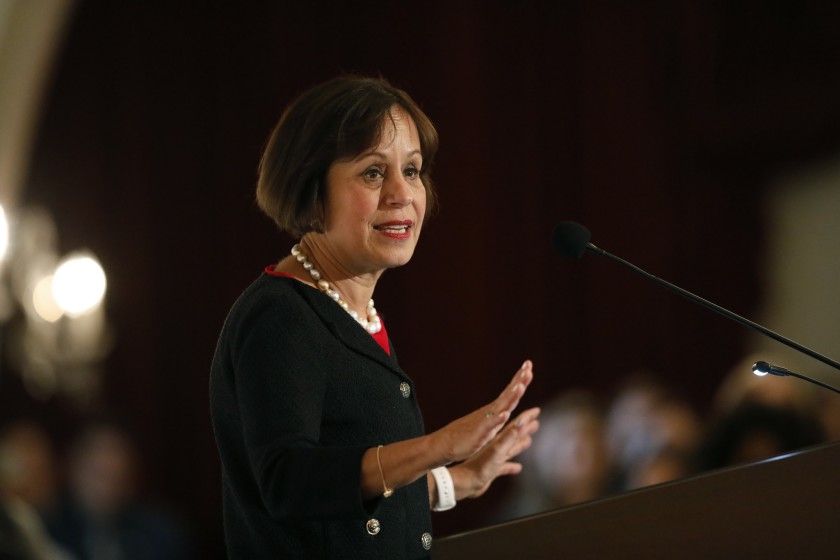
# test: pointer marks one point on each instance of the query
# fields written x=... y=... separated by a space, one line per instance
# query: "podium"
x=784 y=507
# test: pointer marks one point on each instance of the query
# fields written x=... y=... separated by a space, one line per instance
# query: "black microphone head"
x=570 y=239
x=761 y=368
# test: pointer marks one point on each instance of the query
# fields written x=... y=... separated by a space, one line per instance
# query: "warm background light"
x=44 y=302
x=79 y=284
x=4 y=233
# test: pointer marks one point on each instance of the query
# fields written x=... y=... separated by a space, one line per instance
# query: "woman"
x=322 y=444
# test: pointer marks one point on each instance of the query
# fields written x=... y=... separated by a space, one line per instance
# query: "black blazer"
x=298 y=392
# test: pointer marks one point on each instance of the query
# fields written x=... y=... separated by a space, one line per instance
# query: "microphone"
x=572 y=240
x=763 y=368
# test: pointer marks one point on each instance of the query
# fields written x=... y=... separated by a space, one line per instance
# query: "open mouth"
x=394 y=228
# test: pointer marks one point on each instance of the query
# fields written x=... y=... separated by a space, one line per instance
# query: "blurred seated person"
x=742 y=386
x=756 y=417
x=665 y=465
x=568 y=461
x=651 y=433
x=27 y=484
x=101 y=517
x=755 y=431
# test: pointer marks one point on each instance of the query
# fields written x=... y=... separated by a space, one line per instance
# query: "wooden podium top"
x=785 y=507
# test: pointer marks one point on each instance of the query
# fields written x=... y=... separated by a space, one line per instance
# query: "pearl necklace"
x=372 y=324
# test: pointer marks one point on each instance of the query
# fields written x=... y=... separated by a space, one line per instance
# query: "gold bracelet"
x=387 y=491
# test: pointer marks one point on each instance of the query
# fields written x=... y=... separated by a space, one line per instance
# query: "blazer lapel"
x=347 y=330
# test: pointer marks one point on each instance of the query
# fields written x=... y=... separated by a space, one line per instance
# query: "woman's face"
x=375 y=202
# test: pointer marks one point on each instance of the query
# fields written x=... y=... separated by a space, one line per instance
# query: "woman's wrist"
x=445 y=489
x=435 y=446
x=463 y=481
x=397 y=464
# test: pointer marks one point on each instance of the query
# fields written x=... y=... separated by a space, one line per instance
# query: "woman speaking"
x=320 y=434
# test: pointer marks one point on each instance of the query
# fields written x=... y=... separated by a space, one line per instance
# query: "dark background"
x=658 y=124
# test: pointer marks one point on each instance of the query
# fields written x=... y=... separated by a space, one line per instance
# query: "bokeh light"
x=4 y=233
x=44 y=302
x=79 y=284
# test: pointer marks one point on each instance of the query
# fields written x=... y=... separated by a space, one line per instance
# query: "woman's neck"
x=355 y=290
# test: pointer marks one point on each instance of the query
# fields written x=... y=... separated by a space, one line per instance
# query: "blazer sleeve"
x=281 y=371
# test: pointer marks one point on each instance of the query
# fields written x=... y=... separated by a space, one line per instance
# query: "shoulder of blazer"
x=341 y=325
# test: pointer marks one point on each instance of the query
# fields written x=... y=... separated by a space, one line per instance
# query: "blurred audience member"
x=101 y=517
x=664 y=466
x=754 y=431
x=27 y=485
x=29 y=464
x=651 y=433
x=742 y=386
x=755 y=418
x=567 y=462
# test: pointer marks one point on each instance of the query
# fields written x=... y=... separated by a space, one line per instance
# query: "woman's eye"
x=412 y=172
x=373 y=173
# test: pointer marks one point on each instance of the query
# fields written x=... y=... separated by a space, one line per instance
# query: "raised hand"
x=473 y=477
x=461 y=439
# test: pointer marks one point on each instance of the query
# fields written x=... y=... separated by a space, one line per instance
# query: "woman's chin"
x=396 y=259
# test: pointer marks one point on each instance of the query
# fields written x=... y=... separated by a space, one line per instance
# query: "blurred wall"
x=659 y=125
x=30 y=31
x=803 y=267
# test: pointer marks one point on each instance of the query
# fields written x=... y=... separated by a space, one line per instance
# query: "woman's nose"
x=398 y=192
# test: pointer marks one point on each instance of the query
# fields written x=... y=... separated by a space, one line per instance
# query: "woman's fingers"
x=499 y=411
x=516 y=437
x=495 y=459
x=466 y=436
x=507 y=401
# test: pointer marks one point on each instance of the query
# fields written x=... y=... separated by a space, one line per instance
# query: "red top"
x=381 y=337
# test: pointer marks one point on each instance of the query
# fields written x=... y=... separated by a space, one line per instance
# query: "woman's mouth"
x=396 y=229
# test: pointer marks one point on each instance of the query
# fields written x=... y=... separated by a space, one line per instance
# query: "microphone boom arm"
x=717 y=309
x=763 y=368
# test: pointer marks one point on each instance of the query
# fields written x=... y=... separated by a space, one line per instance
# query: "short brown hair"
x=336 y=120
